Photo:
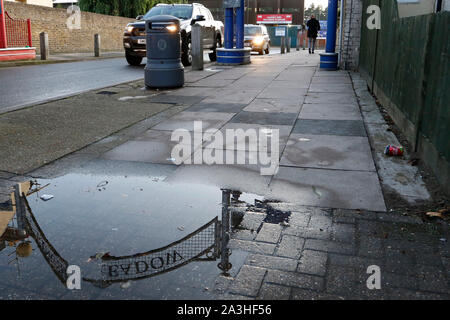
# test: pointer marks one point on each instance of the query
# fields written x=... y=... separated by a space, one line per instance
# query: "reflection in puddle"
x=117 y=230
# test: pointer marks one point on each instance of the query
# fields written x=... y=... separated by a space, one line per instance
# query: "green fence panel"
x=436 y=110
x=408 y=60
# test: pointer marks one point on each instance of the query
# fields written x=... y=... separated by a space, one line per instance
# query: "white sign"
x=280 y=31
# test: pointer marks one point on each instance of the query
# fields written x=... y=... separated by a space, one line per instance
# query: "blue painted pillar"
x=331 y=25
x=329 y=59
x=240 y=26
x=233 y=54
x=229 y=26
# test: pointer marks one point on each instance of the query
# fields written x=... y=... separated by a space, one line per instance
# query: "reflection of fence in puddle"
x=202 y=242
x=208 y=243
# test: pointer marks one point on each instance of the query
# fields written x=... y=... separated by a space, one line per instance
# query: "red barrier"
x=18 y=32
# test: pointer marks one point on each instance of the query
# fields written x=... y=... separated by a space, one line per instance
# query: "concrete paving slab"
x=217 y=107
x=244 y=96
x=254 y=161
x=210 y=83
x=175 y=99
x=328 y=188
x=288 y=84
x=332 y=98
x=150 y=151
x=330 y=152
x=274 y=106
x=282 y=93
x=185 y=120
x=243 y=142
x=323 y=73
x=265 y=118
x=330 y=80
x=330 y=112
x=175 y=124
x=189 y=91
x=199 y=116
x=335 y=88
x=330 y=127
x=247 y=179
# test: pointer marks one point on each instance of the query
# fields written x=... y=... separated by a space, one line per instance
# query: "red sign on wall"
x=274 y=18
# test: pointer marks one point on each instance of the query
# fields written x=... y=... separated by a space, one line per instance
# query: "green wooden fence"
x=406 y=64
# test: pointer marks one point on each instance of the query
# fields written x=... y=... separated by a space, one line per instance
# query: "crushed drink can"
x=391 y=150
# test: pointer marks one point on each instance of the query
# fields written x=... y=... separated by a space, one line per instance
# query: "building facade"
x=254 y=7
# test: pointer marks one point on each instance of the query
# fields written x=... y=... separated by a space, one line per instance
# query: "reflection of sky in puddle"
x=128 y=215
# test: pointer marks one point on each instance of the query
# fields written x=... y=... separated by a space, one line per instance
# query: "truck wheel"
x=133 y=60
x=267 y=51
x=261 y=51
x=186 y=56
x=213 y=54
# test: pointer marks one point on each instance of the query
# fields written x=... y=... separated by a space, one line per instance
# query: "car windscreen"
x=252 y=31
x=181 y=12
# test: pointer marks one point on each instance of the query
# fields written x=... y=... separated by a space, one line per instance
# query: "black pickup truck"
x=134 y=40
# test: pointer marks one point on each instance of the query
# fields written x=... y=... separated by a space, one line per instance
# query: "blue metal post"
x=240 y=26
x=329 y=59
x=331 y=25
x=233 y=54
x=229 y=28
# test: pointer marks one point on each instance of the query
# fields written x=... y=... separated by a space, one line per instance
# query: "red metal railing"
x=18 y=32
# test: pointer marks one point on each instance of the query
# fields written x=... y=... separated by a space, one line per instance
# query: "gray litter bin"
x=164 y=68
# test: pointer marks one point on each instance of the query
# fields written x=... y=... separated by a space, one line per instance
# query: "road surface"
x=28 y=85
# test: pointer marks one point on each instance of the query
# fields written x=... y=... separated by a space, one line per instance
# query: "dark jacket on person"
x=313 y=27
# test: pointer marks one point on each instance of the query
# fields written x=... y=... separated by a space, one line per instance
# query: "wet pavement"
x=308 y=230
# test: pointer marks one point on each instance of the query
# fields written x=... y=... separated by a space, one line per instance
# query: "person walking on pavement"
x=313 y=27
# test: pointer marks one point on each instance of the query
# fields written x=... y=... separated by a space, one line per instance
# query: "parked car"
x=134 y=40
x=257 y=38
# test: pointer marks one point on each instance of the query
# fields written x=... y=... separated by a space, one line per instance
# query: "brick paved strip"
x=313 y=262
x=269 y=233
x=251 y=246
x=272 y=262
x=274 y=292
x=290 y=246
x=248 y=281
x=252 y=220
x=294 y=279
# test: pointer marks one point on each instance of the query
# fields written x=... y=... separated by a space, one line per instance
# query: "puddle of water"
x=127 y=217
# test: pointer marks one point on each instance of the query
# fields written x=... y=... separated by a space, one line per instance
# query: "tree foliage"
x=124 y=8
x=320 y=12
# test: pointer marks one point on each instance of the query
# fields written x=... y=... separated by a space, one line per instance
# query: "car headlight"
x=172 y=28
x=129 y=29
x=258 y=40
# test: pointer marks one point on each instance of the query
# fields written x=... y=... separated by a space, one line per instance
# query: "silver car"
x=257 y=38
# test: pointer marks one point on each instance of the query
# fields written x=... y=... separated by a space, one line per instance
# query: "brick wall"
x=64 y=40
x=352 y=34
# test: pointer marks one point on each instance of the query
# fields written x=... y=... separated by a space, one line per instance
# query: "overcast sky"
x=324 y=3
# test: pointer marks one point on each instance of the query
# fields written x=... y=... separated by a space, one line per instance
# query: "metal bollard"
x=197 y=47
x=97 y=42
x=45 y=52
x=282 y=49
x=288 y=44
